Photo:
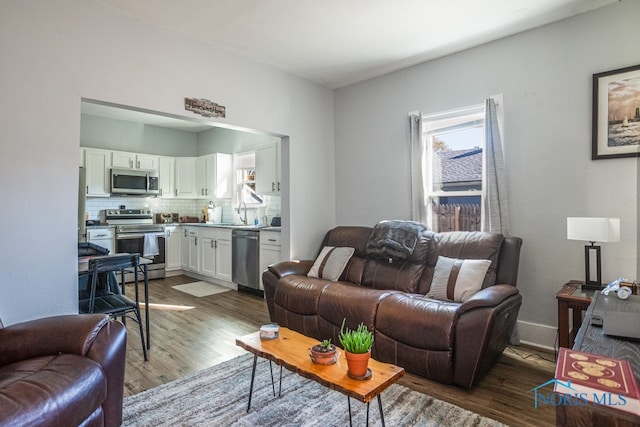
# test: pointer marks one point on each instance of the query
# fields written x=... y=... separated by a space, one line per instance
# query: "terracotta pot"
x=322 y=357
x=357 y=363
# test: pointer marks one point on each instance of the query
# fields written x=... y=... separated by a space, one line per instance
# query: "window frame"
x=441 y=123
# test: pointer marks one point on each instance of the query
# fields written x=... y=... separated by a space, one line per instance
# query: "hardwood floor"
x=189 y=334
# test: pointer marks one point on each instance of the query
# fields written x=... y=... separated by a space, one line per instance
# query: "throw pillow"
x=458 y=279
x=331 y=262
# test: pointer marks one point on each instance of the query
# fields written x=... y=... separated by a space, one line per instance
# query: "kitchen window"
x=246 y=180
x=453 y=168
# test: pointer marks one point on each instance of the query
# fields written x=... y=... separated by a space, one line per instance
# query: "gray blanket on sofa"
x=394 y=239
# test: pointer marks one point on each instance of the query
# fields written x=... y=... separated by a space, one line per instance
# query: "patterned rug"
x=217 y=396
x=201 y=289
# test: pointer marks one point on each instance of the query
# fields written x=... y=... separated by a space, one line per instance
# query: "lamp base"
x=592 y=287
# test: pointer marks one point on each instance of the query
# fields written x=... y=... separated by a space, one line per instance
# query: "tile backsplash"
x=95 y=207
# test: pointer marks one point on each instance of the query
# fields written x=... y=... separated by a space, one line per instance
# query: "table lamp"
x=593 y=230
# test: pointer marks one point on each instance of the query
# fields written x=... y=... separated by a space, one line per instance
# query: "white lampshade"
x=593 y=229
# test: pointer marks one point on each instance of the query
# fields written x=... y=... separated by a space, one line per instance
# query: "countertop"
x=200 y=224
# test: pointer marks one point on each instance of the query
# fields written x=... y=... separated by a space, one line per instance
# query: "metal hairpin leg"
x=379 y=407
x=253 y=376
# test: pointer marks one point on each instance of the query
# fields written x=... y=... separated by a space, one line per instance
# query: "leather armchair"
x=61 y=371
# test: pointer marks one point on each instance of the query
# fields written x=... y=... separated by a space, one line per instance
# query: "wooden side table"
x=571 y=297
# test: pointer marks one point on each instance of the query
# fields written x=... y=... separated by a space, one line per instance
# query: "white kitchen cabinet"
x=208 y=254
x=215 y=253
x=104 y=237
x=223 y=255
x=123 y=160
x=126 y=160
x=214 y=176
x=190 y=257
x=173 y=248
x=270 y=250
x=167 y=177
x=186 y=177
x=268 y=169
x=147 y=162
x=97 y=164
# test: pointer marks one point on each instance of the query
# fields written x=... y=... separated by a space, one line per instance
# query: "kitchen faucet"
x=244 y=220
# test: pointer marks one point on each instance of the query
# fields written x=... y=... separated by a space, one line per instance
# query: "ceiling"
x=339 y=42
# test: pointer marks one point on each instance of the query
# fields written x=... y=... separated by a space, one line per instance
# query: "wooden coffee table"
x=291 y=350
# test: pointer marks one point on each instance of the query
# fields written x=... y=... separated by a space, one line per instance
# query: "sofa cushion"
x=417 y=321
x=63 y=389
x=463 y=245
x=331 y=262
x=339 y=301
x=457 y=279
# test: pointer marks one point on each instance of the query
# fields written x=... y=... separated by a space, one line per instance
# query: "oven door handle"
x=136 y=236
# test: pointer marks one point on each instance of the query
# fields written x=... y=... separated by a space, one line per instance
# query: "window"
x=246 y=180
x=453 y=169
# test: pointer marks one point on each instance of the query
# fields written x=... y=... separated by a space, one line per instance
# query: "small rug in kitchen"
x=201 y=289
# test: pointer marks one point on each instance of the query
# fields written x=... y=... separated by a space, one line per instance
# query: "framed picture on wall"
x=616 y=114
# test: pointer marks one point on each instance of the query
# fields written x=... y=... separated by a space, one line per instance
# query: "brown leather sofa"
x=450 y=342
x=62 y=371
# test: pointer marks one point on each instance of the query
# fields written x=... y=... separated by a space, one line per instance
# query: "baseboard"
x=537 y=336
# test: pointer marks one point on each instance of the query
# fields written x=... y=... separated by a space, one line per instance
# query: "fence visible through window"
x=456 y=217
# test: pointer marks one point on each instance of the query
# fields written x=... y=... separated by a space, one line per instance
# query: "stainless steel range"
x=136 y=233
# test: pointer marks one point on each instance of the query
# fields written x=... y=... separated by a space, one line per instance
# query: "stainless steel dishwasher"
x=245 y=270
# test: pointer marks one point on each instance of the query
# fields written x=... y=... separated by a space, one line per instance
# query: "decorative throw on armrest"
x=331 y=262
x=457 y=279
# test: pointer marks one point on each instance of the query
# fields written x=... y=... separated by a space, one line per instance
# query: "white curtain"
x=418 y=200
x=496 y=202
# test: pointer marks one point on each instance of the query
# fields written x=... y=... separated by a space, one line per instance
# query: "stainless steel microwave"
x=134 y=182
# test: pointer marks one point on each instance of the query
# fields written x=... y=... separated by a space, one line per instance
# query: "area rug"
x=217 y=396
x=201 y=289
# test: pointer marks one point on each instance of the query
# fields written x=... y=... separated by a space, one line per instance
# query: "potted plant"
x=357 y=346
x=323 y=353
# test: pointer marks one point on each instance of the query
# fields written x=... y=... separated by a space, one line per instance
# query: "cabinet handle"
x=212 y=244
x=161 y=191
x=202 y=191
x=138 y=164
x=206 y=191
x=273 y=186
x=185 y=233
x=271 y=240
x=195 y=241
x=176 y=191
x=278 y=185
x=130 y=163
x=216 y=244
x=87 y=189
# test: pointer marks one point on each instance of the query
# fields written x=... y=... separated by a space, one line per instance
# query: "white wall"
x=545 y=76
x=55 y=53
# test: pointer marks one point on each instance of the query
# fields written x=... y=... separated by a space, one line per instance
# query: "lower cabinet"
x=206 y=251
x=215 y=253
x=189 y=247
x=102 y=237
x=173 y=248
x=270 y=250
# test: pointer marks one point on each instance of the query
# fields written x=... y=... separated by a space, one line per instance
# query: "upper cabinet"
x=181 y=177
x=97 y=164
x=214 y=176
x=167 y=176
x=268 y=169
x=186 y=177
x=124 y=160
